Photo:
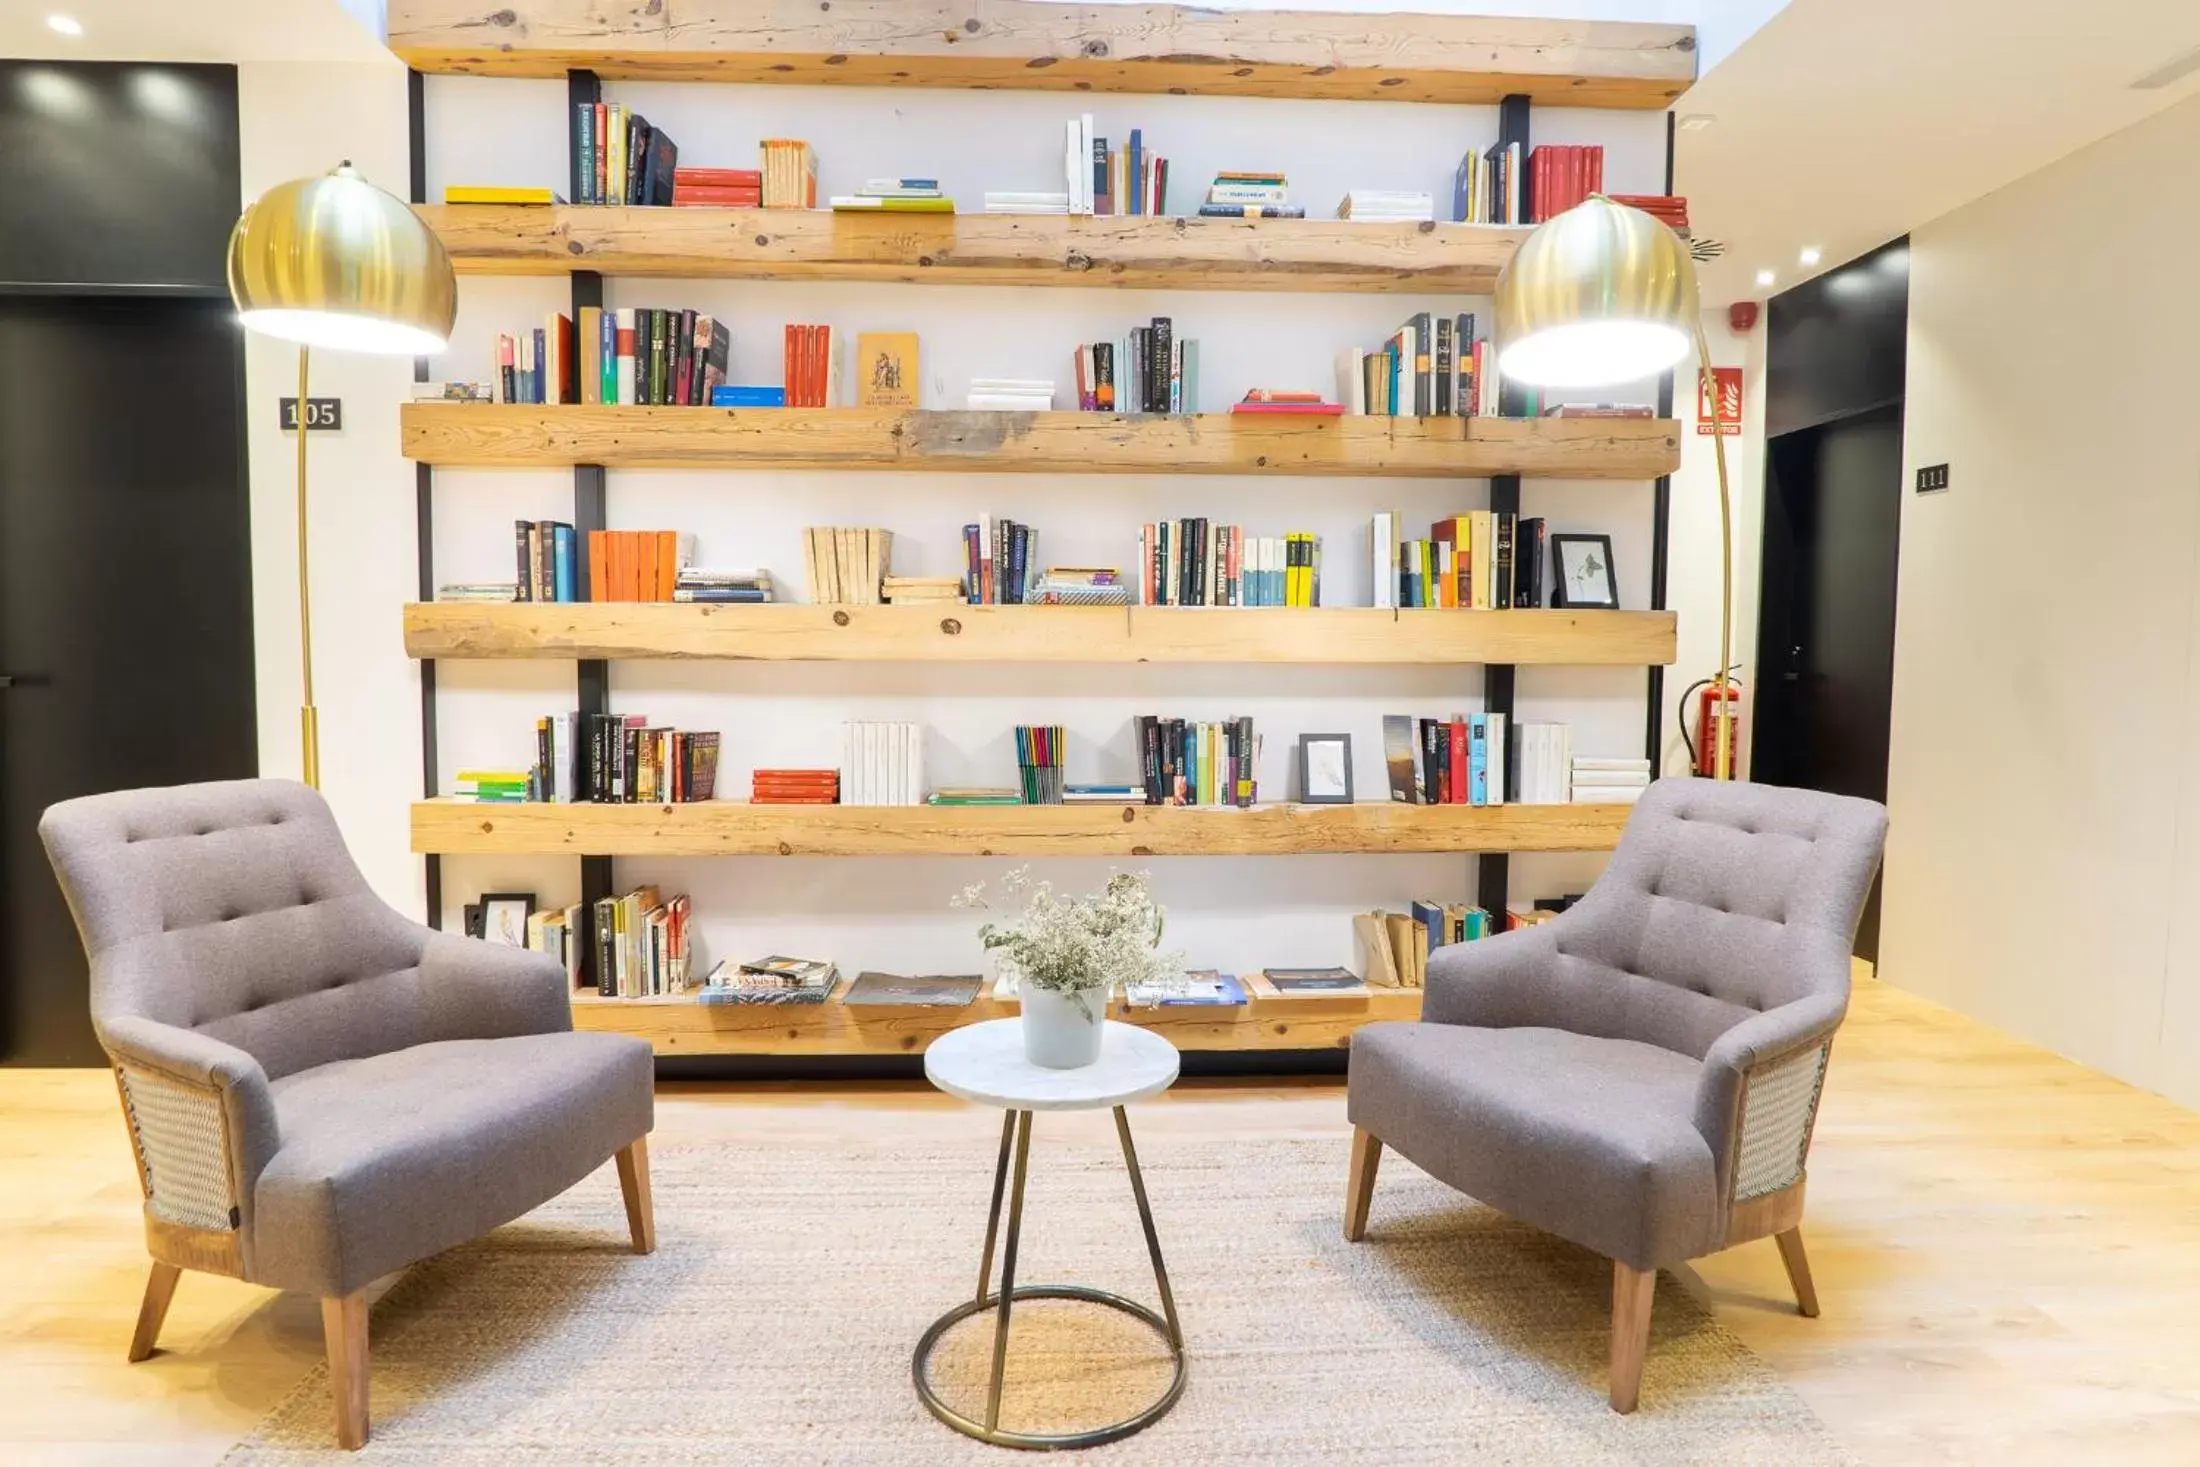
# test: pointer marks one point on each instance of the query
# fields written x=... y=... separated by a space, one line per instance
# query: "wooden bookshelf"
x=1026 y=45
x=734 y=828
x=681 y=1026
x=958 y=633
x=506 y=435
x=1144 y=252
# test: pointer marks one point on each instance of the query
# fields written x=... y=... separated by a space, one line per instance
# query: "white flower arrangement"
x=1077 y=945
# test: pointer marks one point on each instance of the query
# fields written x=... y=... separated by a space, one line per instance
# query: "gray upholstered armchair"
x=318 y=1091
x=1640 y=1075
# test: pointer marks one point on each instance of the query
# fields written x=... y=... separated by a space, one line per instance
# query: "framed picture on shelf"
x=504 y=917
x=1582 y=576
x=1325 y=769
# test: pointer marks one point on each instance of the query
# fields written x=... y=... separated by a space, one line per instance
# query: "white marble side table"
x=985 y=1063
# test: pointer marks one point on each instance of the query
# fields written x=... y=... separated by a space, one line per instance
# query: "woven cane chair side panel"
x=183 y=1145
x=1779 y=1101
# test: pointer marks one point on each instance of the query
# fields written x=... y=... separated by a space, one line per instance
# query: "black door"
x=1825 y=627
x=125 y=599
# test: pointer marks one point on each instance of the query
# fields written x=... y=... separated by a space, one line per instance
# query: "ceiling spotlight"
x=1765 y=277
x=1697 y=121
x=67 y=25
x=1809 y=256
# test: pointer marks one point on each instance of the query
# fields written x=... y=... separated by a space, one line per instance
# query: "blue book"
x=564 y=577
x=1206 y=989
x=1137 y=172
x=541 y=375
x=1478 y=759
x=1430 y=916
x=750 y=397
x=732 y=595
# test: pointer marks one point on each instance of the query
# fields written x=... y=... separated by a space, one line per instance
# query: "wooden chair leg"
x=641 y=1212
x=344 y=1326
x=1798 y=1267
x=160 y=1288
x=1632 y=1289
x=1359 y=1187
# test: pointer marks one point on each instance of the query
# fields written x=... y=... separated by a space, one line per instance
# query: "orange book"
x=622 y=566
x=786 y=366
x=645 y=563
x=668 y=563
x=599 y=566
x=1453 y=590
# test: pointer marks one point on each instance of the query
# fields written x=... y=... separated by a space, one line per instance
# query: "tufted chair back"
x=1722 y=901
x=233 y=910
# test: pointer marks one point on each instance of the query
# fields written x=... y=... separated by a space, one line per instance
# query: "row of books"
x=1132 y=179
x=881 y=763
x=1482 y=560
x=1395 y=946
x=1000 y=562
x=634 y=565
x=1197 y=763
x=789 y=174
x=1039 y=763
x=1560 y=177
x=620 y=759
x=1431 y=367
x=628 y=356
x=1191 y=562
x=811 y=363
x=623 y=159
x=643 y=944
x=846 y=563
x=1462 y=760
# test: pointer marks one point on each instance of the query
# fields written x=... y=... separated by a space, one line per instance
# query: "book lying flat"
x=1205 y=988
x=932 y=990
x=472 y=193
x=1313 y=980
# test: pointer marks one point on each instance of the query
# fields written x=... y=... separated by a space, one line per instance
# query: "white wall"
x=2043 y=870
x=893 y=913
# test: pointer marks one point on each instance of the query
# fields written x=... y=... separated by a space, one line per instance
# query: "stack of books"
x=790 y=174
x=931 y=990
x=1194 y=563
x=847 y=564
x=1155 y=371
x=623 y=160
x=735 y=587
x=1312 y=982
x=1080 y=586
x=1669 y=210
x=454 y=392
x=794 y=787
x=478 y=591
x=1561 y=177
x=770 y=980
x=556 y=932
x=495 y=786
x=895 y=196
x=1039 y=762
x=642 y=945
x=1009 y=201
x=1366 y=203
x=1202 y=988
x=881 y=764
x=1431 y=367
x=1184 y=763
x=812 y=365
x=1101 y=794
x=1477 y=561
x=1010 y=395
x=1275 y=400
x=1250 y=196
x=1542 y=764
x=1462 y=760
x=631 y=356
x=998 y=561
x=548 y=570
x=720 y=188
x=1610 y=781
x=636 y=565
x=975 y=795
x=923 y=590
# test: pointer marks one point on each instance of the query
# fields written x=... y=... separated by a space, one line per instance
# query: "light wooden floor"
x=2007 y=1247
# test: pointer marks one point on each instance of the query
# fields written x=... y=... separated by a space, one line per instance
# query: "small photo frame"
x=504 y=917
x=1325 y=769
x=1581 y=572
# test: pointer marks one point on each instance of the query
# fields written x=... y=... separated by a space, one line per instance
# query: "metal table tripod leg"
x=1008 y=1274
x=993 y=1218
x=1145 y=1218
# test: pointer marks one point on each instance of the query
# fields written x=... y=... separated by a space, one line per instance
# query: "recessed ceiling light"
x=1697 y=121
x=1766 y=277
x=1809 y=256
x=67 y=25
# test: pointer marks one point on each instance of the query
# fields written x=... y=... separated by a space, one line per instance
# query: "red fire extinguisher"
x=1703 y=746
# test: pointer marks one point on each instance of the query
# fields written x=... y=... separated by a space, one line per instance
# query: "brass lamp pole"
x=1604 y=294
x=332 y=261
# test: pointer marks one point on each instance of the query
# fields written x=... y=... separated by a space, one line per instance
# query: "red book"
x=1458 y=769
x=786 y=365
x=748 y=178
x=717 y=198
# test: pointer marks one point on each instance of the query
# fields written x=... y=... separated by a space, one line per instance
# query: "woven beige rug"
x=774 y=1326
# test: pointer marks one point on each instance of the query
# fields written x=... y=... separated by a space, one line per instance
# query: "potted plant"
x=1067 y=954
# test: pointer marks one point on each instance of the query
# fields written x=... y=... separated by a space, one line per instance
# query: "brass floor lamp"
x=334 y=262
x=1604 y=294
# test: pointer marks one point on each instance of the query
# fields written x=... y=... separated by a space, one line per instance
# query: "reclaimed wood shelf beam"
x=1033 y=46
x=955 y=632
x=1141 y=252
x=731 y=828
x=518 y=435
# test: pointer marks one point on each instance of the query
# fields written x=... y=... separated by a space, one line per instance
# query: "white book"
x=626 y=362
x=1382 y=588
x=1610 y=778
x=988 y=402
x=1642 y=765
x=1026 y=196
x=1617 y=794
x=1495 y=745
x=913 y=779
x=1085 y=192
x=1352 y=379
x=1010 y=384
